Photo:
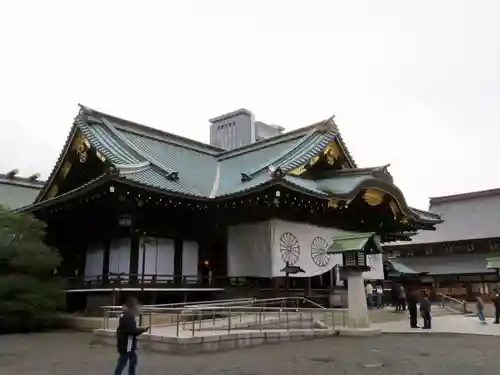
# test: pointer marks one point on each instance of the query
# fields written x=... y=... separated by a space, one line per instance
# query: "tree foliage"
x=30 y=293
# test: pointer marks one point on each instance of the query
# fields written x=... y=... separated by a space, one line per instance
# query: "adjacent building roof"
x=467 y=216
x=176 y=165
x=456 y=264
x=349 y=241
x=400 y=269
x=17 y=191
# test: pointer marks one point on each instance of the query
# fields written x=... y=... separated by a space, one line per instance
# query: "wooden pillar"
x=276 y=286
x=308 y=290
x=178 y=249
x=134 y=256
x=105 y=263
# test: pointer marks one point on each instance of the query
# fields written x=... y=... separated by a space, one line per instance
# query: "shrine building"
x=137 y=209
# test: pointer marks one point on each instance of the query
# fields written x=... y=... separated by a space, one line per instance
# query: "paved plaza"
x=70 y=353
x=453 y=324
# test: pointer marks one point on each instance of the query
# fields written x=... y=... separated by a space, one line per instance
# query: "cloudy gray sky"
x=412 y=83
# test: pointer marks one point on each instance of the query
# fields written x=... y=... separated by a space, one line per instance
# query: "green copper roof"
x=173 y=164
x=402 y=269
x=493 y=263
x=349 y=241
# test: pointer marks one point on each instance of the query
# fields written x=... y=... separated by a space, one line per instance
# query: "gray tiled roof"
x=174 y=164
x=447 y=265
x=466 y=217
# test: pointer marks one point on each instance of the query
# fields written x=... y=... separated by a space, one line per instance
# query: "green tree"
x=30 y=293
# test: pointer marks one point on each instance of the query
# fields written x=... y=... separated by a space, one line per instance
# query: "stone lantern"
x=354 y=247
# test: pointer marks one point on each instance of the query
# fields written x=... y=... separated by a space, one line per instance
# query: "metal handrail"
x=445 y=299
x=181 y=304
x=196 y=312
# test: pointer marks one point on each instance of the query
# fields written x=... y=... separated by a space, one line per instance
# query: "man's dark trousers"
x=497 y=315
x=131 y=358
x=426 y=315
x=412 y=308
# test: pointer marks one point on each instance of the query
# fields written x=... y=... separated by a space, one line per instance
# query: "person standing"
x=412 y=308
x=369 y=294
x=402 y=298
x=395 y=296
x=127 y=334
x=425 y=311
x=496 y=303
x=379 y=289
x=480 y=309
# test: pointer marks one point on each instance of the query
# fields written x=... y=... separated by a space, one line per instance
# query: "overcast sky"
x=412 y=83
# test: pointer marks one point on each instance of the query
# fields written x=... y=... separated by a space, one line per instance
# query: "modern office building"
x=239 y=128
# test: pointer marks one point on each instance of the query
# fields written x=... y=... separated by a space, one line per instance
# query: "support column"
x=105 y=263
x=134 y=257
x=357 y=315
x=308 y=287
x=178 y=248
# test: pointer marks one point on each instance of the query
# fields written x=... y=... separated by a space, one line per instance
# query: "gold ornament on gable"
x=82 y=151
x=373 y=197
x=332 y=203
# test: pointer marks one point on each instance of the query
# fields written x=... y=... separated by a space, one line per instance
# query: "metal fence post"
x=229 y=320
x=177 y=328
x=260 y=318
x=194 y=322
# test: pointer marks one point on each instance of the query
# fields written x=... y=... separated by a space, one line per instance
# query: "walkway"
x=454 y=324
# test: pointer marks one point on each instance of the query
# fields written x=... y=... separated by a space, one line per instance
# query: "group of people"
x=374 y=296
x=402 y=301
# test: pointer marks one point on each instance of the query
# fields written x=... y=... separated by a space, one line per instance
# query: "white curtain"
x=165 y=259
x=159 y=254
x=249 y=250
x=262 y=250
x=119 y=257
x=303 y=245
x=190 y=254
x=376 y=264
x=94 y=260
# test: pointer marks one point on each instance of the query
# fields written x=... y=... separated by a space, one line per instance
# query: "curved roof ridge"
x=170 y=173
x=147 y=131
x=279 y=138
x=133 y=168
x=60 y=159
x=277 y=161
x=101 y=138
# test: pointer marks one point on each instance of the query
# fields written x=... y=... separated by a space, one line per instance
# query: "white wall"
x=94 y=260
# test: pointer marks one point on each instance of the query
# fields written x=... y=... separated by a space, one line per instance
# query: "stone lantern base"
x=357 y=316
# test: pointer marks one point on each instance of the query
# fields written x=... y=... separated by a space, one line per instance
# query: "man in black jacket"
x=425 y=311
x=412 y=308
x=127 y=333
x=496 y=303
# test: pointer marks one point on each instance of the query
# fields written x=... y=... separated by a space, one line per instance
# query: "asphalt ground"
x=67 y=353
